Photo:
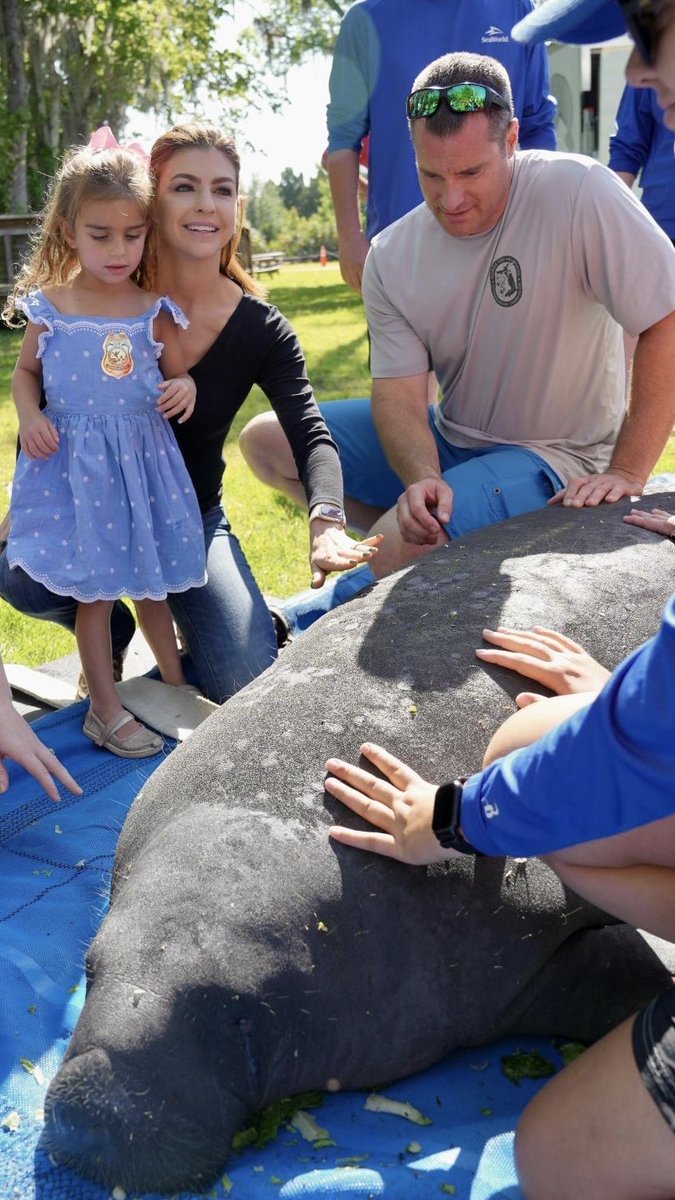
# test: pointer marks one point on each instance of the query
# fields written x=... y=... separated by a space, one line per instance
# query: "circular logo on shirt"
x=506 y=281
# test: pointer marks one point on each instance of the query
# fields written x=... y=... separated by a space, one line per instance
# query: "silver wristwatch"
x=328 y=512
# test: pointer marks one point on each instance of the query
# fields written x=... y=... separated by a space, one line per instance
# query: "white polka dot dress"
x=112 y=512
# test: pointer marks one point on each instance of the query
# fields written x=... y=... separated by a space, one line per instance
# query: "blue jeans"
x=226 y=625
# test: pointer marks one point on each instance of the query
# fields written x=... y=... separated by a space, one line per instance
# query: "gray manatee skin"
x=246 y=957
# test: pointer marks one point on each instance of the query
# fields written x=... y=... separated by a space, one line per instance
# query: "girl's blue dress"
x=112 y=512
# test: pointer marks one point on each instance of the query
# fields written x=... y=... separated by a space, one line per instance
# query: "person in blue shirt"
x=595 y=797
x=642 y=146
x=382 y=45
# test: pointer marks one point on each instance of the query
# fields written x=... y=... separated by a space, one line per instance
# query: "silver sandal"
x=142 y=744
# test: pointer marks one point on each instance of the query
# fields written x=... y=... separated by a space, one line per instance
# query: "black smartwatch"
x=447 y=816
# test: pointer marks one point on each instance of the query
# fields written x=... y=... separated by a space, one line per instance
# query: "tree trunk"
x=16 y=129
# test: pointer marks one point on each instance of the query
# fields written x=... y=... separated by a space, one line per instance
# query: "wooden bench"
x=267 y=264
x=15 y=230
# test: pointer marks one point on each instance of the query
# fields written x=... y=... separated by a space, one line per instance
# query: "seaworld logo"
x=494 y=34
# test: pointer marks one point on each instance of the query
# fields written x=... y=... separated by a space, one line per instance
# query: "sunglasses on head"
x=461 y=98
x=642 y=25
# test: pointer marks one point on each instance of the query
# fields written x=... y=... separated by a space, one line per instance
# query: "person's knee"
x=265 y=449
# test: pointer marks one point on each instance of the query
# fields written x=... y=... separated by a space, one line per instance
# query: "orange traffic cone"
x=323 y=256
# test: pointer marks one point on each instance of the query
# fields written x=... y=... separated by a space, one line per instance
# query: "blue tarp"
x=55 y=864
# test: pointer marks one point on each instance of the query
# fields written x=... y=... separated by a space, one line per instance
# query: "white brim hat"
x=581 y=21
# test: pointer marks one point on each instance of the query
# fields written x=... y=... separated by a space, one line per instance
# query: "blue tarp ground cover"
x=55 y=863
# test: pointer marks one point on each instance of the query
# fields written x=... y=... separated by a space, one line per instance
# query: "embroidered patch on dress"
x=117 y=360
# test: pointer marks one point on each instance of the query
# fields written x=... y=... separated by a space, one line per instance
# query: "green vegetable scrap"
x=571 y=1050
x=449 y=1189
x=265 y=1124
x=526 y=1064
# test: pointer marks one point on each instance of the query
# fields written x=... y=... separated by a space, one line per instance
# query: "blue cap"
x=580 y=21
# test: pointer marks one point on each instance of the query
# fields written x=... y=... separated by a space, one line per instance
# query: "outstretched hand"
x=658 y=520
x=400 y=806
x=17 y=741
x=548 y=657
x=591 y=490
x=332 y=549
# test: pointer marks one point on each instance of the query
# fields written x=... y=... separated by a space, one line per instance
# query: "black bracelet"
x=447 y=817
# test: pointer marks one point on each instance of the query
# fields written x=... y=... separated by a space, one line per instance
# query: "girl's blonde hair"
x=193 y=136
x=83 y=176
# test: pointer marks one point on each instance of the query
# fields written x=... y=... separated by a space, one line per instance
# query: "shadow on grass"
x=296 y=302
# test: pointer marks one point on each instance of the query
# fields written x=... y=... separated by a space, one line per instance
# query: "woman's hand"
x=332 y=549
x=179 y=396
x=657 y=520
x=37 y=436
x=547 y=657
x=401 y=807
x=17 y=741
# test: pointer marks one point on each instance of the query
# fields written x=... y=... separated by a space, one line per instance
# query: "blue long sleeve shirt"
x=642 y=146
x=609 y=768
x=383 y=45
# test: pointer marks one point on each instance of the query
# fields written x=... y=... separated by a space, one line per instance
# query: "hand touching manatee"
x=400 y=806
x=548 y=657
x=658 y=520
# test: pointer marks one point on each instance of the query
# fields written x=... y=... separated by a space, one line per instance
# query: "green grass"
x=330 y=324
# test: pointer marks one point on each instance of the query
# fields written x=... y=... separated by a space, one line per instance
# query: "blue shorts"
x=489 y=484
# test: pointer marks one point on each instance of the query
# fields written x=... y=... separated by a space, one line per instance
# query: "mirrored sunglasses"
x=460 y=97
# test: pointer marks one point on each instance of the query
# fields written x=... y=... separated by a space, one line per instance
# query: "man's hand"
x=401 y=806
x=548 y=657
x=423 y=510
x=352 y=251
x=332 y=549
x=179 y=395
x=37 y=436
x=658 y=521
x=587 y=491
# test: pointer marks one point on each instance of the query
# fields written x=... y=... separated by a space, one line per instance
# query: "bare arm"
x=343 y=173
x=646 y=426
x=400 y=412
x=37 y=435
x=179 y=391
x=627 y=177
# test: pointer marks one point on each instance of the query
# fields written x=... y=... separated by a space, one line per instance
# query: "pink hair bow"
x=103 y=138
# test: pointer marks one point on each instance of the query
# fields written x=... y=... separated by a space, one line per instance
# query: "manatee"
x=245 y=957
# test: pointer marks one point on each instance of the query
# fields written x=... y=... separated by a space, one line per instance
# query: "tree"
x=70 y=65
x=292 y=29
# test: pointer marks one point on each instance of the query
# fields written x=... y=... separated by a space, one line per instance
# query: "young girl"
x=102 y=505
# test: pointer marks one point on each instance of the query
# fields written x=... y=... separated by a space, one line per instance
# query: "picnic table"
x=268 y=263
x=15 y=231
